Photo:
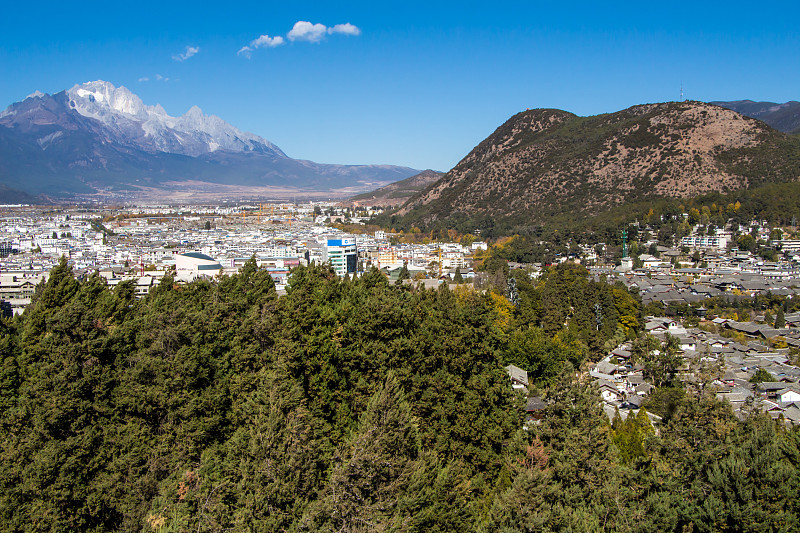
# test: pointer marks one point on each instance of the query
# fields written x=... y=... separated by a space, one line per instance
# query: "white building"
x=788 y=395
x=719 y=242
x=193 y=265
x=342 y=254
x=790 y=246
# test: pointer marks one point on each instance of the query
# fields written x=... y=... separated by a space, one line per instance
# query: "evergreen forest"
x=359 y=405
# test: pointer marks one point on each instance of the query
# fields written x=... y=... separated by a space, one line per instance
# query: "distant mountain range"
x=102 y=140
x=398 y=192
x=547 y=164
x=783 y=117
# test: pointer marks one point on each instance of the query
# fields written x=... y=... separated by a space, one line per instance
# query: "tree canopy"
x=354 y=405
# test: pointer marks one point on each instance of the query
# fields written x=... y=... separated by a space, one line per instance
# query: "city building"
x=342 y=254
x=193 y=265
x=711 y=241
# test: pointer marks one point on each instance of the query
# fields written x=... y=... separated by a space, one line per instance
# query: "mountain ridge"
x=95 y=138
x=783 y=117
x=543 y=163
x=398 y=192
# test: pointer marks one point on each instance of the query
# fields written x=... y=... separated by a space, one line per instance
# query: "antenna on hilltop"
x=681 y=92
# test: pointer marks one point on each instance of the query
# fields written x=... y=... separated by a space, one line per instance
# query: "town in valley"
x=749 y=360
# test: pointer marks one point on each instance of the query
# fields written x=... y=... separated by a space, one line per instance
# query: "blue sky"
x=407 y=83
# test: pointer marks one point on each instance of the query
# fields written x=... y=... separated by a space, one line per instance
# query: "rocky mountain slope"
x=97 y=138
x=545 y=163
x=783 y=117
x=396 y=193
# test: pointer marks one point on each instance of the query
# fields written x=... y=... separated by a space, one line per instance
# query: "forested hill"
x=543 y=163
x=355 y=406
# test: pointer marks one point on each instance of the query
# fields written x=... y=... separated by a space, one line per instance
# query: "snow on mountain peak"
x=150 y=127
x=194 y=111
x=96 y=99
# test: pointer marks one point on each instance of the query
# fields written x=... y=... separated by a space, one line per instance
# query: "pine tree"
x=56 y=449
x=629 y=436
x=575 y=435
x=373 y=469
x=262 y=478
x=780 y=318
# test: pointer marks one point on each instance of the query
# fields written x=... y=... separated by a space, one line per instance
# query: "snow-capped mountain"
x=152 y=129
x=97 y=136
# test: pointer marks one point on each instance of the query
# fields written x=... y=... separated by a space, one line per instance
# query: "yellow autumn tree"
x=504 y=309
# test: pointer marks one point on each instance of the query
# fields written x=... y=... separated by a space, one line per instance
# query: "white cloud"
x=261 y=42
x=157 y=77
x=187 y=53
x=301 y=31
x=305 y=31
x=346 y=29
x=266 y=40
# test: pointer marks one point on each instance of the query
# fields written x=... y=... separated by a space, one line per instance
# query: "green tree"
x=264 y=475
x=780 y=318
x=629 y=436
x=9 y=366
x=373 y=469
x=541 y=355
x=526 y=504
x=661 y=361
x=697 y=433
x=56 y=442
x=747 y=487
x=761 y=375
x=575 y=435
x=746 y=242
